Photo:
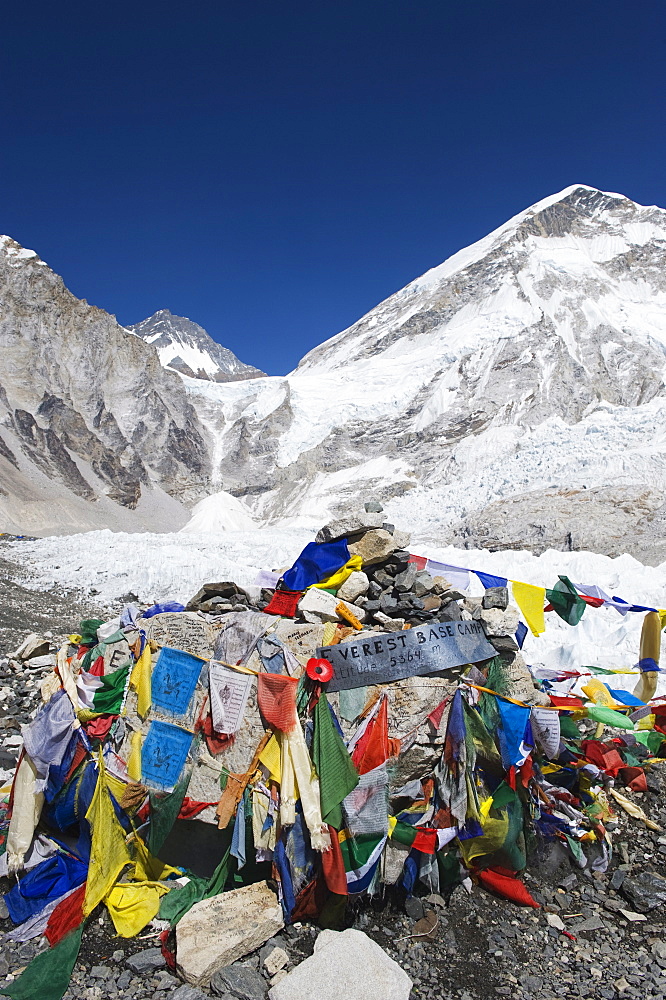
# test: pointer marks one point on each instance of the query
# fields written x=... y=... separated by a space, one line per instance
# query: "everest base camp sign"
x=390 y=656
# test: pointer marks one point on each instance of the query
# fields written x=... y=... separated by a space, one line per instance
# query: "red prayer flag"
x=276 y=697
x=507 y=886
x=66 y=917
x=284 y=603
x=435 y=716
x=333 y=866
x=375 y=747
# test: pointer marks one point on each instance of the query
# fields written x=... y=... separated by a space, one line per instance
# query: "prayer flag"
x=108 y=850
x=568 y=604
x=488 y=580
x=164 y=753
x=103 y=694
x=337 y=774
x=316 y=562
x=531 y=601
x=174 y=679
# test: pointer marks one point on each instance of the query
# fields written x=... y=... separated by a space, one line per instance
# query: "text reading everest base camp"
x=424 y=650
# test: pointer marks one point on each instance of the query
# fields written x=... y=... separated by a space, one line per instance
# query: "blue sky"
x=273 y=170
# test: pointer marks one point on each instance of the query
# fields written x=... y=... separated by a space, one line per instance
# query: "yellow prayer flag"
x=108 y=850
x=599 y=693
x=134 y=758
x=335 y=580
x=531 y=601
x=132 y=905
x=140 y=681
x=270 y=757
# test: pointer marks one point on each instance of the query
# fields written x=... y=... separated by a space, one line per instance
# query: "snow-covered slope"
x=533 y=359
x=173 y=567
x=185 y=347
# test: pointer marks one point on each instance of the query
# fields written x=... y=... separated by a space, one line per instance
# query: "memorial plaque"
x=181 y=630
x=389 y=656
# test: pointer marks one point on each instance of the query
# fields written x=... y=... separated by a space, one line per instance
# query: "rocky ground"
x=474 y=948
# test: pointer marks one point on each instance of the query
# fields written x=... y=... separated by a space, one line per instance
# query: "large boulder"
x=219 y=931
x=346 y=965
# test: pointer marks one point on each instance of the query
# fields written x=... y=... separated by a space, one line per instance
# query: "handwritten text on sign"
x=378 y=659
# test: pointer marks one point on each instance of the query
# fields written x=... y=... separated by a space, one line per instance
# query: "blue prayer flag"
x=164 y=753
x=316 y=562
x=174 y=679
x=488 y=580
x=514 y=719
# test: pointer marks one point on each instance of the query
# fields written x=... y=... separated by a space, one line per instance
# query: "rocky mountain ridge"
x=185 y=347
x=93 y=431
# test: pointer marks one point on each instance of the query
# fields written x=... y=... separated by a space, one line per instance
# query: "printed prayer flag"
x=164 y=753
x=174 y=679
x=229 y=691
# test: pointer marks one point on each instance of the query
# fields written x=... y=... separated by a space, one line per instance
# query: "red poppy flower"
x=319 y=670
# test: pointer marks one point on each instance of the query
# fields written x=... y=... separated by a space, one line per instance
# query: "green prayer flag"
x=178 y=901
x=164 y=809
x=47 y=977
x=337 y=774
x=566 y=601
x=601 y=713
x=568 y=728
x=88 y=630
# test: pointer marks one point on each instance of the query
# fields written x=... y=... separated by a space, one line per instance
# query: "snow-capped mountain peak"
x=186 y=347
x=535 y=358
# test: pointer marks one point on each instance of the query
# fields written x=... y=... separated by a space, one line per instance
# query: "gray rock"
x=188 y=993
x=375 y=546
x=239 y=982
x=423 y=583
x=354 y=586
x=414 y=907
x=373 y=507
x=146 y=961
x=218 y=931
x=351 y=525
x=101 y=972
x=405 y=581
x=646 y=891
x=496 y=597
